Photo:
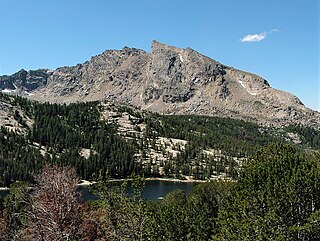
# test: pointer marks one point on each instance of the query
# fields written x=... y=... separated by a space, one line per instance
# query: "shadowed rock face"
x=24 y=81
x=168 y=80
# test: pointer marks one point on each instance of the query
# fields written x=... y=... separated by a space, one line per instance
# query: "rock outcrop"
x=24 y=81
x=168 y=80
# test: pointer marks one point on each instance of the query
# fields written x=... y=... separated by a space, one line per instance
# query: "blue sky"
x=276 y=39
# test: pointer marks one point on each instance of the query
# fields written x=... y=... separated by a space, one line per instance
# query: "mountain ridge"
x=169 y=80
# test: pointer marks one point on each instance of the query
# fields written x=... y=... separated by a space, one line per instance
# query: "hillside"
x=121 y=140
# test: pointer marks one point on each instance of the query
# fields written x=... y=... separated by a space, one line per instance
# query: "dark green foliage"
x=19 y=119
x=63 y=132
x=277 y=195
x=66 y=129
x=123 y=215
x=17 y=205
x=310 y=136
x=62 y=126
x=18 y=101
x=187 y=217
x=234 y=137
x=18 y=159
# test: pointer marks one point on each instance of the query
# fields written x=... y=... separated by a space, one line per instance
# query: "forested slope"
x=122 y=140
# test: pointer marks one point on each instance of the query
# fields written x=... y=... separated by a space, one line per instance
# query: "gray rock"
x=24 y=81
x=167 y=80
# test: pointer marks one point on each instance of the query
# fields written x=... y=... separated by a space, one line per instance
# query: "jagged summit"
x=168 y=80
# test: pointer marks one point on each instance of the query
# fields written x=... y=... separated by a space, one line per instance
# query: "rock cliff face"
x=175 y=74
x=168 y=80
x=24 y=81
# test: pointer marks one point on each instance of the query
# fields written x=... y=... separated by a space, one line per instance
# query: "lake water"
x=154 y=190
x=3 y=193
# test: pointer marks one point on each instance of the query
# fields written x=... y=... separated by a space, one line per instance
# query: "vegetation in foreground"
x=277 y=197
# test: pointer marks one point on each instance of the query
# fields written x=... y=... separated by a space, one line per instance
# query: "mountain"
x=168 y=80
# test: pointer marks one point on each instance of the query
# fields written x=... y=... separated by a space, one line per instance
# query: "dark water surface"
x=3 y=193
x=159 y=189
x=154 y=190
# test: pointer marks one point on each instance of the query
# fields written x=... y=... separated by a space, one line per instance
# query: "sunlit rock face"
x=168 y=80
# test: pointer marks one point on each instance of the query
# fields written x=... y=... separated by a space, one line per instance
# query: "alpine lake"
x=153 y=190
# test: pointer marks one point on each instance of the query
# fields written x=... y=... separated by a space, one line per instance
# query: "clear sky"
x=276 y=39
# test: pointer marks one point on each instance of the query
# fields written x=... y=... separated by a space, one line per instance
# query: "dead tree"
x=54 y=210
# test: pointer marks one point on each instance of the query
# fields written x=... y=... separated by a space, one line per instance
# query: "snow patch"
x=27 y=93
x=251 y=93
x=8 y=91
x=181 y=59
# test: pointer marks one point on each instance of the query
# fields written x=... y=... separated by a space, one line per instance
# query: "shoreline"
x=163 y=179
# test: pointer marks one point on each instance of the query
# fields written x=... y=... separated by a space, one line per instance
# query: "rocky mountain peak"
x=24 y=81
x=21 y=74
x=157 y=45
x=175 y=73
x=168 y=80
